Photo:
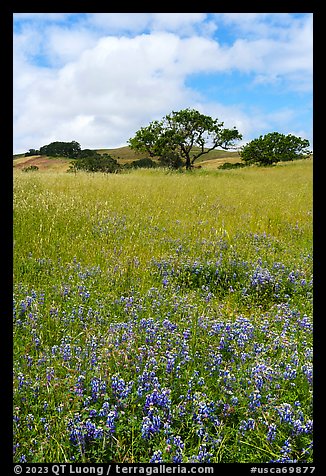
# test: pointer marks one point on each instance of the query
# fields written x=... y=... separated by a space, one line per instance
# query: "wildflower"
x=49 y=373
x=120 y=387
x=203 y=455
x=261 y=278
x=79 y=386
x=246 y=425
x=285 y=452
x=104 y=410
x=177 y=458
x=254 y=399
x=178 y=442
x=156 y=457
x=66 y=351
x=307 y=369
x=234 y=400
x=98 y=387
x=271 y=432
x=150 y=426
x=29 y=420
x=285 y=412
x=110 y=422
x=21 y=380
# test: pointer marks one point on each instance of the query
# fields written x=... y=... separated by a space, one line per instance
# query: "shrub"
x=274 y=147
x=229 y=165
x=96 y=163
x=31 y=168
x=145 y=163
x=32 y=152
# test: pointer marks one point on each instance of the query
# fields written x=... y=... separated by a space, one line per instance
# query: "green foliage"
x=61 y=149
x=229 y=165
x=96 y=163
x=31 y=168
x=145 y=163
x=32 y=152
x=183 y=136
x=274 y=147
x=87 y=153
x=172 y=160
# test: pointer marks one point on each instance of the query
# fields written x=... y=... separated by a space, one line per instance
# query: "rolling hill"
x=123 y=155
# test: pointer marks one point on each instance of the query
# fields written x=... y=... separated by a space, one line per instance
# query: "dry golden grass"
x=44 y=164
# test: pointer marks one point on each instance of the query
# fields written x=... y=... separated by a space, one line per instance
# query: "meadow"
x=163 y=316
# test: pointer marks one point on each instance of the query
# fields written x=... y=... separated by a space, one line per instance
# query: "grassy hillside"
x=123 y=155
x=44 y=163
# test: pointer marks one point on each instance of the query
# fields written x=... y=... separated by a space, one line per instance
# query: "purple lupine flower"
x=178 y=442
x=98 y=387
x=177 y=458
x=307 y=369
x=254 y=399
x=120 y=387
x=104 y=410
x=271 y=432
x=150 y=426
x=156 y=457
x=234 y=400
x=158 y=397
x=285 y=412
x=246 y=425
x=203 y=455
x=21 y=380
x=79 y=385
x=29 y=420
x=49 y=373
x=110 y=422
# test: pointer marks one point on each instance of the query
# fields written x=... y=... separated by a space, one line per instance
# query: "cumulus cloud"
x=101 y=78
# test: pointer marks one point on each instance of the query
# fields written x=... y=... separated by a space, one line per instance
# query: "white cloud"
x=99 y=89
x=135 y=23
x=117 y=23
x=111 y=89
x=65 y=44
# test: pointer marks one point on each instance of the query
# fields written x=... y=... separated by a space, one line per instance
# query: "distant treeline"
x=87 y=159
x=58 y=149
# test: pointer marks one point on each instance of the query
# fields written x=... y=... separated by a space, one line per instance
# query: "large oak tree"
x=185 y=135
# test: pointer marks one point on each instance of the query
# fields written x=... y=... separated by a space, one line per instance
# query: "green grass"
x=163 y=316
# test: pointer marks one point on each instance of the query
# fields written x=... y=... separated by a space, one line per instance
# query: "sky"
x=97 y=78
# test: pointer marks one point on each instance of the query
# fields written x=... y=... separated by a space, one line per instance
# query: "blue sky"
x=97 y=78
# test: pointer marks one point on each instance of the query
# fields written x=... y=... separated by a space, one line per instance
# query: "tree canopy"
x=91 y=161
x=182 y=137
x=274 y=147
x=61 y=149
x=32 y=152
